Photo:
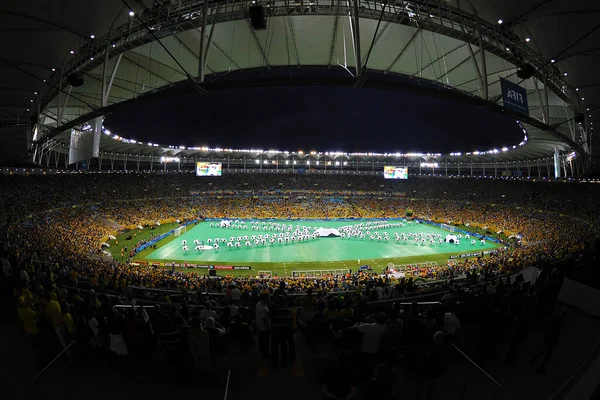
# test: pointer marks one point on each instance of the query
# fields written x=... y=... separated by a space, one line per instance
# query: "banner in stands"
x=230 y=267
x=514 y=97
x=478 y=254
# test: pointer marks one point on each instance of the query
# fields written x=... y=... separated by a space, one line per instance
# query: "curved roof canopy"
x=126 y=51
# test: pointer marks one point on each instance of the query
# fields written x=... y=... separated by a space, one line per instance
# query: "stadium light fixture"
x=257 y=161
x=507 y=49
x=91 y=58
x=583 y=98
x=553 y=61
x=114 y=45
x=53 y=69
x=500 y=22
x=72 y=51
x=34 y=92
x=131 y=13
x=92 y=36
x=566 y=73
x=31 y=100
x=528 y=40
x=577 y=89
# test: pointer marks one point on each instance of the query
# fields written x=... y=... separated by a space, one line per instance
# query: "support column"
x=556 y=163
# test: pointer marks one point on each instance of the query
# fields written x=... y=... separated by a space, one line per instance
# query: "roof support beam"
x=478 y=72
x=336 y=21
x=356 y=36
x=106 y=91
x=483 y=73
x=545 y=117
x=201 y=58
x=62 y=107
x=406 y=46
x=456 y=66
x=147 y=70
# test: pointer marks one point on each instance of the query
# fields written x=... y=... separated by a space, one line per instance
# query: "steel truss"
x=169 y=19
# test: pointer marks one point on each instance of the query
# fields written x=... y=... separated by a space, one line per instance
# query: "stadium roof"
x=158 y=48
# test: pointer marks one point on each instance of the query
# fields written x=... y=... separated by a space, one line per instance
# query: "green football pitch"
x=320 y=253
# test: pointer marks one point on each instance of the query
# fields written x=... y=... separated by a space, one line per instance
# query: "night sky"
x=315 y=118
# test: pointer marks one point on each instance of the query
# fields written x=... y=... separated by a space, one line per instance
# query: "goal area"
x=449 y=228
x=180 y=230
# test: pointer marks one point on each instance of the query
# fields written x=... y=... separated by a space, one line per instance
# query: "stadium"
x=376 y=200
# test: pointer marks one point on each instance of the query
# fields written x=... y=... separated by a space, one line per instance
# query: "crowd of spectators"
x=52 y=227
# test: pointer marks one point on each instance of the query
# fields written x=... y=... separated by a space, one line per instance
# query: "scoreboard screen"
x=390 y=172
x=209 y=169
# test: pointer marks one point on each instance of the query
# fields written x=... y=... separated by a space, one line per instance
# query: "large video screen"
x=209 y=169
x=390 y=172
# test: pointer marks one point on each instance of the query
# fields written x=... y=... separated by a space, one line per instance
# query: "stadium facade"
x=423 y=47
